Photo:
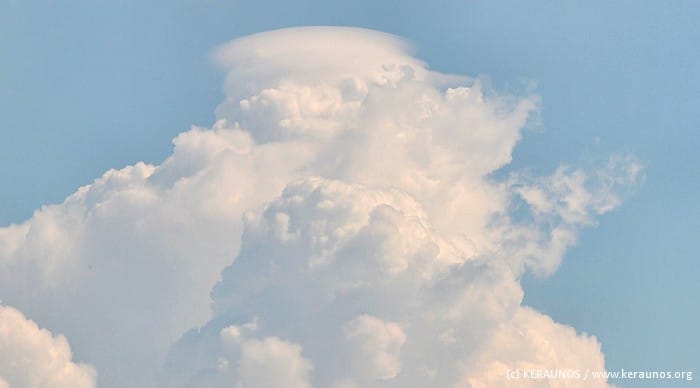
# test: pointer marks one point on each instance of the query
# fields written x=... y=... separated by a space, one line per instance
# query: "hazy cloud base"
x=338 y=226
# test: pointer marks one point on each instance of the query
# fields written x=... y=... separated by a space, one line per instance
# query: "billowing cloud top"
x=338 y=226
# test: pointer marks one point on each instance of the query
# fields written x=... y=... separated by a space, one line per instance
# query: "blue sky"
x=86 y=86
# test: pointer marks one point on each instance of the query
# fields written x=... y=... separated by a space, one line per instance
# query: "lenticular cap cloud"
x=313 y=54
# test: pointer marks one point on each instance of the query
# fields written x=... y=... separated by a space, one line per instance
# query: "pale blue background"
x=89 y=85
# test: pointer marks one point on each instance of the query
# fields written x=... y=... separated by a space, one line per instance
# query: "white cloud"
x=428 y=322
x=138 y=250
x=272 y=362
x=531 y=341
x=376 y=345
x=243 y=359
x=352 y=186
x=34 y=358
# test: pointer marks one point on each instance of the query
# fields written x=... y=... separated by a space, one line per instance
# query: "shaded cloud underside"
x=337 y=226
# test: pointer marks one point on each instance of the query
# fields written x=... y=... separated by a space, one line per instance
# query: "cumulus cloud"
x=339 y=225
x=34 y=358
x=272 y=362
x=376 y=297
x=532 y=341
x=376 y=345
